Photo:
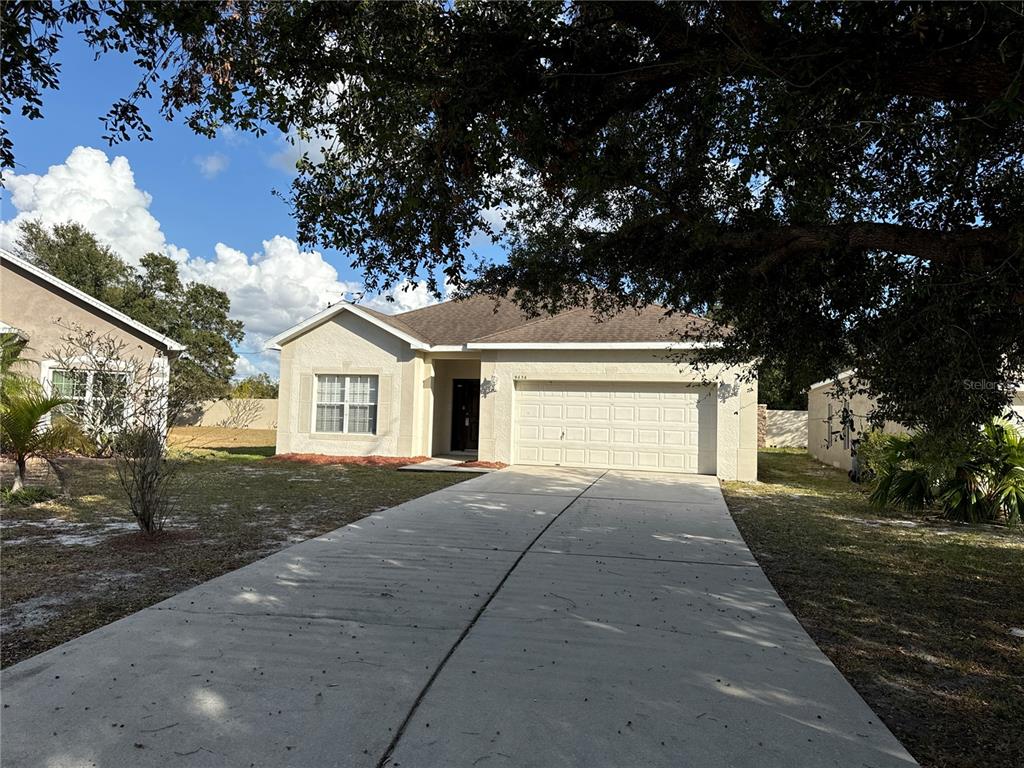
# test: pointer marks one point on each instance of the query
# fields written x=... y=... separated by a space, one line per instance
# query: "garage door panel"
x=624 y=413
x=575 y=411
x=550 y=432
x=652 y=426
x=647 y=460
x=529 y=454
x=620 y=436
x=647 y=437
x=623 y=459
x=575 y=434
x=673 y=437
x=648 y=413
x=551 y=455
x=674 y=462
x=529 y=432
x=674 y=415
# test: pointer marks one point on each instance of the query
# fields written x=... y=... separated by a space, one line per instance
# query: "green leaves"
x=195 y=314
x=839 y=183
x=978 y=480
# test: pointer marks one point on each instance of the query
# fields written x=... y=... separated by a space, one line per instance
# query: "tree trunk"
x=19 y=475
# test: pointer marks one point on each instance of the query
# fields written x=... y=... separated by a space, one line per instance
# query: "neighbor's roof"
x=59 y=286
x=483 y=322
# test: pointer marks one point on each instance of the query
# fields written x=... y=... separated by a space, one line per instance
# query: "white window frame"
x=50 y=367
x=346 y=404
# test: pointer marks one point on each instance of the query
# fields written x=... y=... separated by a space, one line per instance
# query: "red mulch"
x=483 y=464
x=363 y=461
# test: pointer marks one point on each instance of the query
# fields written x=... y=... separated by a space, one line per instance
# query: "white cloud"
x=406 y=297
x=274 y=288
x=280 y=286
x=270 y=290
x=293 y=147
x=211 y=165
x=254 y=363
x=96 y=192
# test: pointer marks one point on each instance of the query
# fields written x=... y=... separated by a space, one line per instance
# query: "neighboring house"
x=39 y=307
x=475 y=377
x=834 y=425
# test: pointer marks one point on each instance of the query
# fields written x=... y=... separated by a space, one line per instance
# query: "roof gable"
x=59 y=286
x=387 y=323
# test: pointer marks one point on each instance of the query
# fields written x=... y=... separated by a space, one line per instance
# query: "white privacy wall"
x=786 y=429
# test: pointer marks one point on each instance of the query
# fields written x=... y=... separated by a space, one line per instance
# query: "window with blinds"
x=346 y=404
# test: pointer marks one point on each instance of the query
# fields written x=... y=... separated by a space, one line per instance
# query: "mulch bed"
x=483 y=464
x=362 y=461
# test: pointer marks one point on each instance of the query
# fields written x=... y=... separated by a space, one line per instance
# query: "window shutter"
x=305 y=401
x=384 y=397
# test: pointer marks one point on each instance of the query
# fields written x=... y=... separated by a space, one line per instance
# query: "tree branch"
x=750 y=43
x=984 y=245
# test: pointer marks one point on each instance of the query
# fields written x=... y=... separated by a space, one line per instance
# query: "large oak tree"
x=840 y=184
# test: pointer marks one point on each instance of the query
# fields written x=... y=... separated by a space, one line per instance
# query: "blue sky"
x=210 y=201
x=235 y=206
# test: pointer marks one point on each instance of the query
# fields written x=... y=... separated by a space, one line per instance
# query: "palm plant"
x=25 y=430
x=981 y=481
x=11 y=379
x=989 y=484
x=24 y=434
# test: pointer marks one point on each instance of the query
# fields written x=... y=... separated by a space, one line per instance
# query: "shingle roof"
x=395 y=322
x=462 y=320
x=483 y=319
x=580 y=326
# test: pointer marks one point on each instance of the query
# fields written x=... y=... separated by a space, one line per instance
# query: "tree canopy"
x=192 y=313
x=259 y=385
x=840 y=184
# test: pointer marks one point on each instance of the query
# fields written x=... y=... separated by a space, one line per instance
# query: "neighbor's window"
x=97 y=395
x=72 y=386
x=346 y=404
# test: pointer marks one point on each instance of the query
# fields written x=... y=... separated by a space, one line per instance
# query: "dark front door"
x=465 y=414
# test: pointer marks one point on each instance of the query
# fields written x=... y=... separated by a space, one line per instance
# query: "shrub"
x=980 y=480
x=146 y=474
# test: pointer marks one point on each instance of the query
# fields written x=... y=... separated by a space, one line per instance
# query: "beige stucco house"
x=39 y=307
x=836 y=423
x=477 y=378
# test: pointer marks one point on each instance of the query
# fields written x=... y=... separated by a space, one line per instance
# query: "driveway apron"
x=530 y=617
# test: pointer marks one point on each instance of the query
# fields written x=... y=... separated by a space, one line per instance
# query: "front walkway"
x=527 y=617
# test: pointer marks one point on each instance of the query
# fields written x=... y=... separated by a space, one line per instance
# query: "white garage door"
x=656 y=426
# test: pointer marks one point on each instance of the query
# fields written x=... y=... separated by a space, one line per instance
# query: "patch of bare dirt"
x=141 y=542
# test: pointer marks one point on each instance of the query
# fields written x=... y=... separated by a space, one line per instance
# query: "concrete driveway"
x=524 y=618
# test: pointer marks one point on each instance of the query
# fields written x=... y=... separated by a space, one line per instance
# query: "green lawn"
x=917 y=613
x=72 y=565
